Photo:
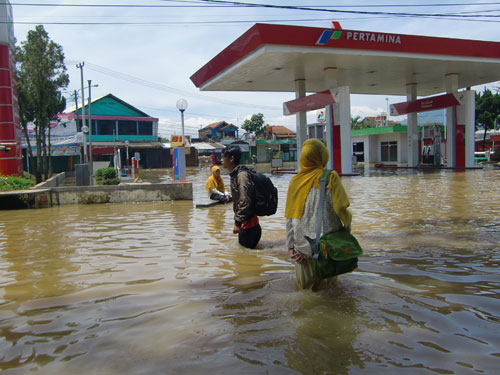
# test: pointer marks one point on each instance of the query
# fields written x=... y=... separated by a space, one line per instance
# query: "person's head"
x=313 y=154
x=216 y=171
x=231 y=157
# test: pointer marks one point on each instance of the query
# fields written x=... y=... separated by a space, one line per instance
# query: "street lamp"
x=85 y=131
x=128 y=168
x=182 y=104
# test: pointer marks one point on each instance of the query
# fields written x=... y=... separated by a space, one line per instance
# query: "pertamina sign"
x=336 y=33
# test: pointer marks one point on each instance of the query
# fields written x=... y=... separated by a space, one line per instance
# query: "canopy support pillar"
x=301 y=118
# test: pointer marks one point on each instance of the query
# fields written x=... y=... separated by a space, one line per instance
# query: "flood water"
x=164 y=288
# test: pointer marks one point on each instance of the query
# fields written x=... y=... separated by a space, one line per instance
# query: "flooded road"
x=164 y=288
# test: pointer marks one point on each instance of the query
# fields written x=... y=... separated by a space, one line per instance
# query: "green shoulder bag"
x=333 y=253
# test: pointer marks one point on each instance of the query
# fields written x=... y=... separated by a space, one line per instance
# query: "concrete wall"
x=54 y=181
x=121 y=193
x=57 y=196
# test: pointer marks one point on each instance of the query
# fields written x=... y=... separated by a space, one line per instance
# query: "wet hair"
x=233 y=151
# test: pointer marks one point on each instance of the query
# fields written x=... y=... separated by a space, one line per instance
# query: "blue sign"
x=179 y=164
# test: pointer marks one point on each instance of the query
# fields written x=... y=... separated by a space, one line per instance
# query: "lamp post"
x=180 y=152
x=85 y=131
x=128 y=168
x=388 y=112
x=182 y=105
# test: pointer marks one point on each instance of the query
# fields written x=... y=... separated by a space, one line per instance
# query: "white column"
x=301 y=118
x=331 y=112
x=329 y=119
x=470 y=119
x=451 y=81
x=345 y=128
x=413 y=151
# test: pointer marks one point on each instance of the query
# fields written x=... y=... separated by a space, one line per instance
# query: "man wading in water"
x=246 y=223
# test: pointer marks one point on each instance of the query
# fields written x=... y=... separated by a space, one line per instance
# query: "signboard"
x=179 y=164
x=6 y=24
x=427 y=104
x=276 y=163
x=321 y=117
x=176 y=141
x=309 y=103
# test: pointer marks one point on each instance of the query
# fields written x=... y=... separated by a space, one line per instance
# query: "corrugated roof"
x=214 y=125
x=203 y=146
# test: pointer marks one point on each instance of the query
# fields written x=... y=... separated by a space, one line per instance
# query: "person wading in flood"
x=301 y=211
x=246 y=223
x=215 y=187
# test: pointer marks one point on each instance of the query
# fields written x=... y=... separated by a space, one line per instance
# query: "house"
x=117 y=125
x=65 y=145
x=218 y=131
x=279 y=143
x=279 y=132
x=378 y=121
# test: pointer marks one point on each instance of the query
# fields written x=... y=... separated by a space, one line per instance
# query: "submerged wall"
x=58 y=196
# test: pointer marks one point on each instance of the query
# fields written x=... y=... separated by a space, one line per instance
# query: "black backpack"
x=266 y=195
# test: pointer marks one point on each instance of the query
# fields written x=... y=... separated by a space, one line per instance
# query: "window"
x=389 y=151
x=105 y=127
x=145 y=128
x=358 y=150
x=127 y=127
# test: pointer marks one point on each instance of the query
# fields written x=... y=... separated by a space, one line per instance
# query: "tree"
x=41 y=74
x=255 y=125
x=487 y=111
x=356 y=122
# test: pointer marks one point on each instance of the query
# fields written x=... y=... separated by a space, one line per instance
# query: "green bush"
x=15 y=183
x=106 y=176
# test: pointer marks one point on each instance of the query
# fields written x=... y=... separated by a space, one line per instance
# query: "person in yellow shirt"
x=215 y=187
x=301 y=210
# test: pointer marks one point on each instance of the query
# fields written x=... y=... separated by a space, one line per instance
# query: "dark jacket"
x=243 y=192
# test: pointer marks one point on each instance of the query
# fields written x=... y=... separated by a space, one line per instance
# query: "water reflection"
x=165 y=288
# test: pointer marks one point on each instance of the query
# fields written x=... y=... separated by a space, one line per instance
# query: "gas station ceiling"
x=273 y=57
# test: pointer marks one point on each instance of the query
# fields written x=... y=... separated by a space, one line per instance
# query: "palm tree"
x=356 y=123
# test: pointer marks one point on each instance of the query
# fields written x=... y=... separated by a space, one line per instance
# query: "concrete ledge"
x=58 y=196
x=121 y=193
x=54 y=181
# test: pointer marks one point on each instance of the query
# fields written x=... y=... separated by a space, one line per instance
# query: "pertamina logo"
x=333 y=33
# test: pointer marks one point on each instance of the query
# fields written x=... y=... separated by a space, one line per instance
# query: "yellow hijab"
x=215 y=181
x=313 y=159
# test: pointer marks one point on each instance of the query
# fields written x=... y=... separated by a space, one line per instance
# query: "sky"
x=144 y=51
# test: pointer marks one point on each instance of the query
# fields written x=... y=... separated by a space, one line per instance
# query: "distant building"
x=116 y=123
x=279 y=132
x=278 y=142
x=378 y=121
x=218 y=131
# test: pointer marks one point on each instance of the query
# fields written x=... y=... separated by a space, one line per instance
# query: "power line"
x=235 y=4
x=314 y=9
x=158 y=86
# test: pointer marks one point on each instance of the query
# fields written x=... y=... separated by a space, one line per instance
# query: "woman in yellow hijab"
x=301 y=209
x=215 y=187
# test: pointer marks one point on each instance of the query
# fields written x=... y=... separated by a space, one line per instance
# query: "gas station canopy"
x=273 y=57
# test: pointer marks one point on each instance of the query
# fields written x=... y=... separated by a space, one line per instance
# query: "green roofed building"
x=116 y=124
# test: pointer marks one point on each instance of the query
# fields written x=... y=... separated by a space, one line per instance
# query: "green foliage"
x=487 y=109
x=15 y=183
x=255 y=125
x=106 y=176
x=41 y=74
x=356 y=122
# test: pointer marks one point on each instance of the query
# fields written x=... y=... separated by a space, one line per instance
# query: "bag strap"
x=322 y=183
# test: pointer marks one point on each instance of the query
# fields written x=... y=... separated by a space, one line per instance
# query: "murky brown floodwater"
x=164 y=288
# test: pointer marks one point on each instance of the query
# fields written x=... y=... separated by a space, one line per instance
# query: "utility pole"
x=80 y=66
x=84 y=136
x=76 y=111
x=90 y=135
